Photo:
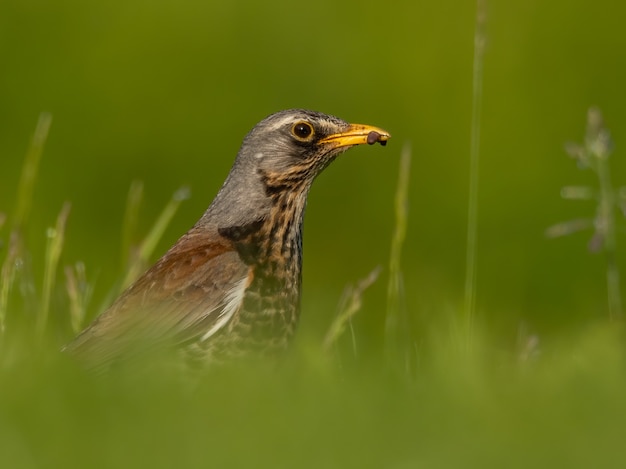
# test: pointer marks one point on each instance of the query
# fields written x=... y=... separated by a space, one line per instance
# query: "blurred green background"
x=165 y=91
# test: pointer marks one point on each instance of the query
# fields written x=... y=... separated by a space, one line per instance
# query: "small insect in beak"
x=374 y=137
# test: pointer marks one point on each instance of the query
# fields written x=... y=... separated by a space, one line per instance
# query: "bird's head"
x=283 y=154
x=296 y=145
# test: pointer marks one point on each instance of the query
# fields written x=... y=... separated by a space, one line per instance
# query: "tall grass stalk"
x=56 y=237
x=594 y=154
x=26 y=187
x=599 y=142
x=393 y=342
x=472 y=207
x=30 y=170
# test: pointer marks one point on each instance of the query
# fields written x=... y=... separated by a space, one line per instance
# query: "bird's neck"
x=273 y=242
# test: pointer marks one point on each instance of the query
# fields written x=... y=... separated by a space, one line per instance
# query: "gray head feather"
x=268 y=147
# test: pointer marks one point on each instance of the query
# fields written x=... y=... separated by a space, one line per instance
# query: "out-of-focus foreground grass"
x=564 y=408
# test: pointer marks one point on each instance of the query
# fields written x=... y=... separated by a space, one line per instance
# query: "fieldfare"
x=230 y=286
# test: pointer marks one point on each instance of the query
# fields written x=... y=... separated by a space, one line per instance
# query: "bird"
x=230 y=286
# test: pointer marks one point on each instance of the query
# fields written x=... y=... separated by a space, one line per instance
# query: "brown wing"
x=177 y=299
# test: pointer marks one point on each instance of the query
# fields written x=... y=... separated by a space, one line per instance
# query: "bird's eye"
x=302 y=131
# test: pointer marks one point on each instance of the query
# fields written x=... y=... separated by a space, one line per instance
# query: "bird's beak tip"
x=357 y=134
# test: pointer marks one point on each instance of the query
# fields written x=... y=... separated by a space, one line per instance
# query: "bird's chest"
x=269 y=310
x=270 y=307
x=264 y=323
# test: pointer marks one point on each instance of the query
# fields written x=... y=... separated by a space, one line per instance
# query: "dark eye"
x=302 y=130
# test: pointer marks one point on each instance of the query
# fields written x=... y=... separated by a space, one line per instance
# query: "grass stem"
x=599 y=144
x=594 y=154
x=30 y=169
x=13 y=259
x=394 y=287
x=148 y=245
x=472 y=207
x=131 y=216
x=351 y=303
x=56 y=237
x=79 y=293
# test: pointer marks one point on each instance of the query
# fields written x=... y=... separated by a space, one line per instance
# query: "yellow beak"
x=357 y=134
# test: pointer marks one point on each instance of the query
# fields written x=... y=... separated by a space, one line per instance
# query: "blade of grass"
x=472 y=206
x=150 y=242
x=79 y=292
x=394 y=287
x=131 y=215
x=56 y=237
x=351 y=303
x=26 y=187
x=30 y=170
x=7 y=276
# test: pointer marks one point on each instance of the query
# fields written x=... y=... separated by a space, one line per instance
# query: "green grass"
x=564 y=407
